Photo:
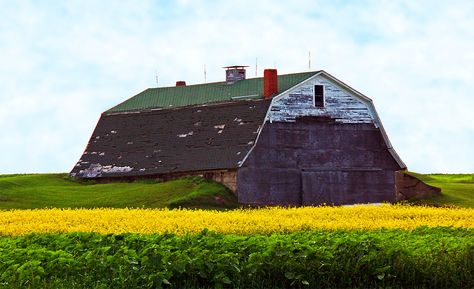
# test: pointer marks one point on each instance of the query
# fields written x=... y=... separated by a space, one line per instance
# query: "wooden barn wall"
x=340 y=106
x=305 y=163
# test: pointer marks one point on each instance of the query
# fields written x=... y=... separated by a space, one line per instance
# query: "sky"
x=62 y=63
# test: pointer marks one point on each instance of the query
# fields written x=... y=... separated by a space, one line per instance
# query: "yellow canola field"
x=243 y=221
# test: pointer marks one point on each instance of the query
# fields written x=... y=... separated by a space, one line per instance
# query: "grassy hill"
x=58 y=190
x=457 y=189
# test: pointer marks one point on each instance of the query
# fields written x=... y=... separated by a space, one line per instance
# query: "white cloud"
x=63 y=64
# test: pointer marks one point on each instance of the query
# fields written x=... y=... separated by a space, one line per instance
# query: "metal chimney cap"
x=235 y=67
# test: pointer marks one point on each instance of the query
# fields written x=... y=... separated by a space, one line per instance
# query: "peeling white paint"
x=339 y=104
x=239 y=121
x=220 y=128
x=116 y=169
x=96 y=170
x=186 y=134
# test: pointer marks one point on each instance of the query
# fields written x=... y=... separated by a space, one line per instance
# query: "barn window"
x=318 y=96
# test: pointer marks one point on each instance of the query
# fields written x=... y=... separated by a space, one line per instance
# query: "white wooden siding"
x=339 y=104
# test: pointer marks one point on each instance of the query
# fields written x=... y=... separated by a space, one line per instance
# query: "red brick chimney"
x=270 y=83
x=180 y=83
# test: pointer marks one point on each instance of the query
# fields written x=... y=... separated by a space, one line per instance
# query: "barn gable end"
x=339 y=105
x=305 y=154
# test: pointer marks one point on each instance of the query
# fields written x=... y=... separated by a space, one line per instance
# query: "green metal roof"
x=175 y=96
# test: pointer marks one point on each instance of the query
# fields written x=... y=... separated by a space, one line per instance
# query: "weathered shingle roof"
x=203 y=137
x=166 y=97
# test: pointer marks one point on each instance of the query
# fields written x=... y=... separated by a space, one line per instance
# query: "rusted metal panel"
x=175 y=140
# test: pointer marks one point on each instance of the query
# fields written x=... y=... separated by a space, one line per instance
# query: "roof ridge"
x=223 y=82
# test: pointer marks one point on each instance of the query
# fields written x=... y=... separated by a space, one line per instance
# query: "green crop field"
x=423 y=258
x=58 y=190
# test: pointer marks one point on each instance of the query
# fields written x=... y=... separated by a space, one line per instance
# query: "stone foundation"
x=226 y=177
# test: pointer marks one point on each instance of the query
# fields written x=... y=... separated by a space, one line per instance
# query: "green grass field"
x=456 y=189
x=31 y=191
x=58 y=190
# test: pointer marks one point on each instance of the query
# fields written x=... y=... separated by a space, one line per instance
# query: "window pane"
x=319 y=96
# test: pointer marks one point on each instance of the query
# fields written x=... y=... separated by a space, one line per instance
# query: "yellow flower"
x=242 y=221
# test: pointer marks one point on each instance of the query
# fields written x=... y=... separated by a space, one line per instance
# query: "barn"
x=293 y=139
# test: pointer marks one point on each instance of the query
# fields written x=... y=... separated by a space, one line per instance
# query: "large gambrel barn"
x=294 y=139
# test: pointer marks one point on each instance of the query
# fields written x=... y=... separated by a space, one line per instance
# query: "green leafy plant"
x=422 y=258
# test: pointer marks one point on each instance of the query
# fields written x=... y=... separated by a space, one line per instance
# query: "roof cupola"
x=234 y=73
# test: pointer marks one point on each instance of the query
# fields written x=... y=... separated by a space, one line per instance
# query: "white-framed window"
x=318 y=96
